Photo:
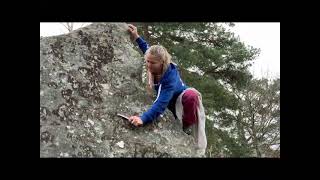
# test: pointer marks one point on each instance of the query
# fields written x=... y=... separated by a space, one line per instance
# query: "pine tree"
x=256 y=123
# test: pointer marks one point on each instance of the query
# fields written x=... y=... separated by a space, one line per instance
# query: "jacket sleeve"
x=143 y=45
x=166 y=93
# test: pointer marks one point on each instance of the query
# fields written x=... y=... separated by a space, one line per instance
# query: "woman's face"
x=154 y=65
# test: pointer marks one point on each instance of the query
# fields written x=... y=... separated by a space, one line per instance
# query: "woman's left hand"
x=135 y=120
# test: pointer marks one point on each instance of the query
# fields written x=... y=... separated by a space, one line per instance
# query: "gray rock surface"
x=86 y=78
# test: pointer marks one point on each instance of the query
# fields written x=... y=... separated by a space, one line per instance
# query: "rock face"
x=86 y=78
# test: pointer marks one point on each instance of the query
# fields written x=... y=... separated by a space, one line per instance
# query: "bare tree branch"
x=68 y=26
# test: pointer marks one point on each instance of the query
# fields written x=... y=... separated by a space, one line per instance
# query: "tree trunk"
x=255 y=142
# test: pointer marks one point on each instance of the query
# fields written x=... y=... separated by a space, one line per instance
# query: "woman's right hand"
x=135 y=120
x=133 y=31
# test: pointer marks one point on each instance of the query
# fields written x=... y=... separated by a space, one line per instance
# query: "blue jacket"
x=168 y=89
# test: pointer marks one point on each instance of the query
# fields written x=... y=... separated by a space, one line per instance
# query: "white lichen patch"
x=91 y=122
x=64 y=154
x=120 y=144
x=105 y=86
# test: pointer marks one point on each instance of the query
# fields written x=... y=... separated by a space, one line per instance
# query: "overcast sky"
x=265 y=36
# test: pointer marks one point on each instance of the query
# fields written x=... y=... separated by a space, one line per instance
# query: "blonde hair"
x=160 y=53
